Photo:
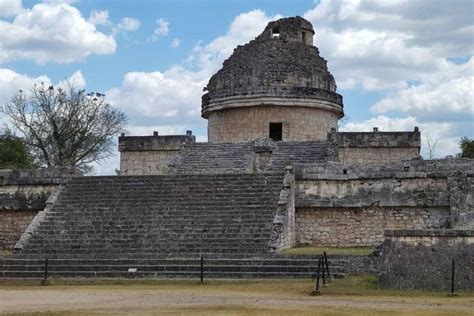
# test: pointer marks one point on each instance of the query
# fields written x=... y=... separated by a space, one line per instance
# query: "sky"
x=397 y=63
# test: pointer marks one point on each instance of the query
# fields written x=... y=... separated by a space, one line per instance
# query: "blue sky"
x=397 y=63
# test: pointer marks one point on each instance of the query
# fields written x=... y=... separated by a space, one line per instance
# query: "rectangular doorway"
x=276 y=131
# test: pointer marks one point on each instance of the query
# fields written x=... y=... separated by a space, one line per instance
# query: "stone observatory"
x=276 y=86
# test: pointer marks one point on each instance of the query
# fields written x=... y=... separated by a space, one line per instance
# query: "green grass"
x=238 y=310
x=311 y=250
x=354 y=285
x=4 y=252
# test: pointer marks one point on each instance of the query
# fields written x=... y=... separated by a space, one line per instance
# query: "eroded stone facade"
x=150 y=155
x=248 y=124
x=355 y=227
x=422 y=259
x=352 y=205
x=23 y=193
x=278 y=77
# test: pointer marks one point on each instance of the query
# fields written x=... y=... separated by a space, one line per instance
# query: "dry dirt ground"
x=219 y=298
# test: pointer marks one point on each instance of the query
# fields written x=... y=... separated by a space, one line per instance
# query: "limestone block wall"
x=247 y=124
x=23 y=193
x=374 y=155
x=150 y=155
x=376 y=147
x=352 y=205
x=138 y=163
x=12 y=224
x=352 y=227
x=421 y=259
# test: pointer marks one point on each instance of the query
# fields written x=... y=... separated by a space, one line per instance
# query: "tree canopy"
x=467 y=147
x=65 y=126
x=14 y=152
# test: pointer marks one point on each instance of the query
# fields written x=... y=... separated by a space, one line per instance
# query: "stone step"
x=163 y=274
x=20 y=266
x=170 y=215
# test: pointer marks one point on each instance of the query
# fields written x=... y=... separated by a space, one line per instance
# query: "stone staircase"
x=225 y=158
x=217 y=158
x=168 y=216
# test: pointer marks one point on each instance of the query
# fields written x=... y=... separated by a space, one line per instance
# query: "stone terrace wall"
x=351 y=205
x=150 y=155
x=348 y=227
x=376 y=147
x=421 y=259
x=22 y=194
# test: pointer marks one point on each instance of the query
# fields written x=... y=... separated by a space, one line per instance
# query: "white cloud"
x=440 y=132
x=243 y=28
x=127 y=24
x=51 y=32
x=161 y=30
x=99 y=17
x=382 y=45
x=174 y=96
x=11 y=82
x=10 y=7
x=76 y=80
x=173 y=93
x=175 y=43
x=449 y=93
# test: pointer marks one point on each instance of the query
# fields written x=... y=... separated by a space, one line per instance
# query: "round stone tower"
x=276 y=86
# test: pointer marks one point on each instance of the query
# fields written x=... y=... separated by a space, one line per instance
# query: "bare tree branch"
x=65 y=127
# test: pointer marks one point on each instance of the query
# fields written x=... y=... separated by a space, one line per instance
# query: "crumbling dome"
x=275 y=86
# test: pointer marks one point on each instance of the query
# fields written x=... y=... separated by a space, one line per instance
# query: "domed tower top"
x=294 y=29
x=280 y=68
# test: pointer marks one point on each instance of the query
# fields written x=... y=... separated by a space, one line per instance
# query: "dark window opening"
x=275 y=32
x=303 y=37
x=276 y=131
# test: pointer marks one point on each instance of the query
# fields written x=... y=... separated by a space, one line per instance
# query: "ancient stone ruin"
x=275 y=173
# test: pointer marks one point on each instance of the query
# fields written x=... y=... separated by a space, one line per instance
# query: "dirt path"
x=129 y=300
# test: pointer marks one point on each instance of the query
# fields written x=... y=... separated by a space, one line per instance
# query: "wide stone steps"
x=202 y=158
x=168 y=215
x=167 y=268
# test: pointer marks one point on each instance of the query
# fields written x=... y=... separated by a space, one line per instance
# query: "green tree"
x=14 y=152
x=65 y=127
x=467 y=147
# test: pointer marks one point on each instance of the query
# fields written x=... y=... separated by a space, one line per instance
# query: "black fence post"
x=452 y=278
x=327 y=265
x=45 y=279
x=202 y=269
x=46 y=269
x=317 y=291
x=324 y=272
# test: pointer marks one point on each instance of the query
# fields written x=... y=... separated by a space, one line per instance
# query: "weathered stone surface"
x=351 y=205
x=375 y=147
x=284 y=224
x=166 y=215
x=277 y=77
x=362 y=226
x=150 y=155
x=22 y=194
x=245 y=124
x=421 y=259
x=210 y=158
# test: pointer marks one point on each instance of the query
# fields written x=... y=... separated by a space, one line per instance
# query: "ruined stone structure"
x=276 y=173
x=23 y=193
x=143 y=155
x=276 y=86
